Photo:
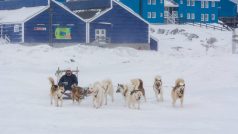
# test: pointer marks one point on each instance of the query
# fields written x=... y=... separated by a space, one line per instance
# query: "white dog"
x=56 y=93
x=138 y=85
x=97 y=92
x=178 y=91
x=158 y=88
x=108 y=89
x=130 y=95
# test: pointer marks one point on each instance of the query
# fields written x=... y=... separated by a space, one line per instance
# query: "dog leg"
x=161 y=96
x=105 y=99
x=51 y=100
x=181 y=101
x=173 y=102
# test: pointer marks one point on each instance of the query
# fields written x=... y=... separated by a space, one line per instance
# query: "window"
x=213 y=17
x=181 y=15
x=202 y=4
x=192 y=2
x=206 y=4
x=161 y=14
x=149 y=2
x=202 y=17
x=16 y=28
x=153 y=15
x=181 y=2
x=206 y=17
x=193 y=16
x=188 y=16
x=213 y=3
x=149 y=15
x=188 y=2
x=161 y=1
x=153 y=2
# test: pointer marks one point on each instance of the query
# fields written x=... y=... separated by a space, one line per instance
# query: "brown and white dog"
x=138 y=84
x=97 y=92
x=108 y=89
x=78 y=93
x=56 y=93
x=178 y=91
x=158 y=88
x=130 y=95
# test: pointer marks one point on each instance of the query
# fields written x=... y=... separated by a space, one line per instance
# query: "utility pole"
x=50 y=23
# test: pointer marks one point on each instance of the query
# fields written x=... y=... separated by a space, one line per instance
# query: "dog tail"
x=52 y=82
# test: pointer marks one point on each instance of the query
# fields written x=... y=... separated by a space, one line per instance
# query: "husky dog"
x=98 y=94
x=130 y=95
x=138 y=84
x=158 y=88
x=78 y=93
x=134 y=98
x=56 y=93
x=108 y=89
x=178 y=91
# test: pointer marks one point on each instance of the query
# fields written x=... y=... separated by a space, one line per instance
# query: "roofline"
x=63 y=6
x=97 y=16
x=36 y=14
x=123 y=6
x=130 y=10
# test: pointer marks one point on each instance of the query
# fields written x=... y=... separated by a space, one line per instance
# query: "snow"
x=210 y=94
x=19 y=15
x=169 y=3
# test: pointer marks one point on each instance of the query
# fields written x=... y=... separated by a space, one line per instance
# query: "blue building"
x=228 y=12
x=118 y=25
x=169 y=11
x=150 y=10
x=205 y=11
x=53 y=23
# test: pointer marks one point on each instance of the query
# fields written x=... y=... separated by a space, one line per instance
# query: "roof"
x=208 y=0
x=19 y=15
x=88 y=13
x=123 y=6
x=87 y=4
x=170 y=3
x=234 y=1
x=16 y=4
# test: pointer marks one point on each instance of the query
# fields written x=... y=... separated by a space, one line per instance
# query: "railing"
x=206 y=25
x=7 y=39
x=169 y=17
x=103 y=40
x=234 y=43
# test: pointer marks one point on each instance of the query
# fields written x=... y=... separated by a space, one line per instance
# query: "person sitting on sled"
x=68 y=80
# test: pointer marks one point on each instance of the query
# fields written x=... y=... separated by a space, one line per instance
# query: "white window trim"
x=206 y=17
x=149 y=2
x=153 y=15
x=153 y=2
x=188 y=3
x=161 y=1
x=202 y=4
x=193 y=16
x=192 y=3
x=181 y=15
x=188 y=16
x=213 y=17
x=202 y=17
x=149 y=15
x=161 y=15
x=206 y=4
x=213 y=4
x=16 y=28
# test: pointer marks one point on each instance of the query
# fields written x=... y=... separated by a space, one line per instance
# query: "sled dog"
x=108 y=89
x=138 y=84
x=178 y=91
x=56 y=93
x=97 y=92
x=158 y=88
x=77 y=93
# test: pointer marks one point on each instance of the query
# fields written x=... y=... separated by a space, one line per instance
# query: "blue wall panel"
x=14 y=36
x=35 y=32
x=121 y=26
x=227 y=9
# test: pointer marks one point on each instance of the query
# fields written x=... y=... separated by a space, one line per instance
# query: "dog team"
x=132 y=92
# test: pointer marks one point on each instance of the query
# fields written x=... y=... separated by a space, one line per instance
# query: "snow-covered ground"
x=210 y=105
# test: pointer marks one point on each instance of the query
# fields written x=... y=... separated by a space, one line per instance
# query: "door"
x=100 y=35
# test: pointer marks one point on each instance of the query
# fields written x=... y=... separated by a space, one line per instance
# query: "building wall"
x=227 y=9
x=38 y=28
x=143 y=8
x=15 y=35
x=122 y=26
x=184 y=9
